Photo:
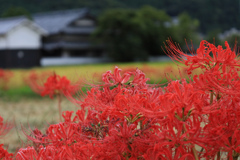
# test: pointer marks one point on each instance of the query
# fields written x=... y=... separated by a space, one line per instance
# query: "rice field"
x=92 y=72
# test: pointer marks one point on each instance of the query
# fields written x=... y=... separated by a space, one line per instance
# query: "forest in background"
x=214 y=15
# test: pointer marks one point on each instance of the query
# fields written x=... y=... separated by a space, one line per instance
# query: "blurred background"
x=42 y=32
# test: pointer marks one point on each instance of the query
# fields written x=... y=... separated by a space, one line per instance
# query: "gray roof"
x=7 y=24
x=56 y=21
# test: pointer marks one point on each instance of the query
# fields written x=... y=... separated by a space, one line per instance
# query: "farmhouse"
x=20 y=42
x=68 y=33
x=58 y=34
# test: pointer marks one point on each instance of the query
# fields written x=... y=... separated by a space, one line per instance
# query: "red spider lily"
x=58 y=85
x=4 y=153
x=132 y=119
x=126 y=118
x=206 y=57
x=4 y=128
x=61 y=141
x=116 y=77
x=35 y=80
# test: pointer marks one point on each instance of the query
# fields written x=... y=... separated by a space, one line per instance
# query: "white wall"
x=3 y=42
x=72 y=61
x=22 y=37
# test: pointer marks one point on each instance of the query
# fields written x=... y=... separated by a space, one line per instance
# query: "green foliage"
x=233 y=40
x=135 y=34
x=212 y=14
x=15 y=94
x=212 y=37
x=154 y=30
x=132 y=35
x=185 y=28
x=16 y=11
x=119 y=30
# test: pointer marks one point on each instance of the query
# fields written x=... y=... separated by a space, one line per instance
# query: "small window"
x=20 y=54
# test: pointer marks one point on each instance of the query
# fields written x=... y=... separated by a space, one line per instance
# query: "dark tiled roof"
x=56 y=21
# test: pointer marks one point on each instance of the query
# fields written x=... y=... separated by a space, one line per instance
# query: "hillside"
x=213 y=15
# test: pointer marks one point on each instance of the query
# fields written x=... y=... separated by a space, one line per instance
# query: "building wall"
x=3 y=42
x=19 y=58
x=22 y=37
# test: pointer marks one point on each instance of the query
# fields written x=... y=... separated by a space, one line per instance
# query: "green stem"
x=218 y=155
x=211 y=97
x=59 y=107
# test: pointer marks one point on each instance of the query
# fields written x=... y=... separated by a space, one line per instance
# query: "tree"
x=119 y=30
x=155 y=29
x=185 y=28
x=213 y=37
x=132 y=35
x=16 y=11
x=233 y=39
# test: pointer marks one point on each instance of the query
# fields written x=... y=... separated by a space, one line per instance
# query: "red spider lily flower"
x=65 y=140
x=56 y=84
x=35 y=80
x=126 y=118
x=4 y=127
x=116 y=77
x=4 y=153
x=206 y=57
x=67 y=116
x=27 y=153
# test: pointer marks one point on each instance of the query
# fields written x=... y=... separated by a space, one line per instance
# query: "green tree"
x=119 y=30
x=155 y=29
x=213 y=37
x=185 y=28
x=16 y=11
x=133 y=34
x=233 y=40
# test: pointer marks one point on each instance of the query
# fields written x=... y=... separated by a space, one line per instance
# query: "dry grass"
x=31 y=113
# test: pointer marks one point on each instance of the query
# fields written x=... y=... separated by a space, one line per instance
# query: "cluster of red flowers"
x=46 y=83
x=4 y=128
x=56 y=84
x=126 y=118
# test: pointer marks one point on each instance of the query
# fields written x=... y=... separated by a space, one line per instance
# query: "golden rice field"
x=93 y=72
x=39 y=112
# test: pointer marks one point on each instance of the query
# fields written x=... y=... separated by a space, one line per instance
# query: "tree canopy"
x=131 y=35
x=213 y=15
x=16 y=11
